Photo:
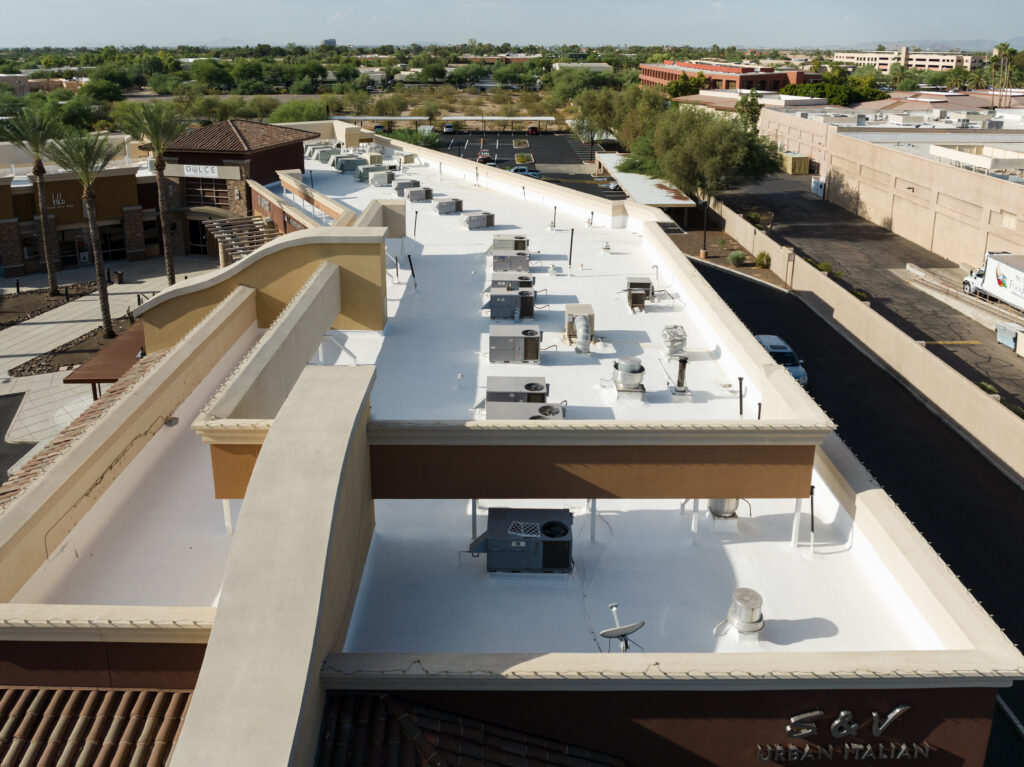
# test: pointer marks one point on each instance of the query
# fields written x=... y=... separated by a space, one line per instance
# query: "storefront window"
x=206 y=191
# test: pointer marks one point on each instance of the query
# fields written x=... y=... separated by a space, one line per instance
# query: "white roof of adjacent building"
x=644 y=189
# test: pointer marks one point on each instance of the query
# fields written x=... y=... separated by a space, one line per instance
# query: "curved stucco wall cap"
x=320 y=236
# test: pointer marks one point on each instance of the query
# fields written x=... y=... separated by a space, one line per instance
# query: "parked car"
x=611 y=185
x=523 y=170
x=449 y=128
x=378 y=128
x=485 y=156
x=533 y=130
x=782 y=353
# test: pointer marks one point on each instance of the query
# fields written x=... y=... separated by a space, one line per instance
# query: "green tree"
x=703 y=152
x=158 y=124
x=306 y=110
x=637 y=113
x=432 y=72
x=31 y=131
x=102 y=90
x=431 y=110
x=85 y=155
x=595 y=115
x=748 y=109
x=210 y=74
x=262 y=106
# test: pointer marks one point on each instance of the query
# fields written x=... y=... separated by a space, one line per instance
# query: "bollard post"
x=741 y=396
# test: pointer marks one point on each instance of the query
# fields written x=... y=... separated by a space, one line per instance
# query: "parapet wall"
x=987 y=424
x=277 y=271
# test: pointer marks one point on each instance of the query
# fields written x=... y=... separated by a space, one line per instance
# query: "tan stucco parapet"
x=668 y=671
x=100 y=623
x=319 y=236
x=596 y=432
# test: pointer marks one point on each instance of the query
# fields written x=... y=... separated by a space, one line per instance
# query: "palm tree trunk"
x=165 y=229
x=44 y=227
x=89 y=196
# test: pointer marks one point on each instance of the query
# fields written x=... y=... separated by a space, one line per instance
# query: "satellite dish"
x=620 y=632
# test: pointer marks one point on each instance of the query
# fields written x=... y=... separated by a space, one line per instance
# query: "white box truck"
x=1000 y=277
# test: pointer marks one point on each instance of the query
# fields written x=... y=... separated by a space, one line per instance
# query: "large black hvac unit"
x=527 y=541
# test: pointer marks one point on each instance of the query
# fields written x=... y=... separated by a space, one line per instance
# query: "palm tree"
x=31 y=130
x=1002 y=51
x=159 y=124
x=85 y=155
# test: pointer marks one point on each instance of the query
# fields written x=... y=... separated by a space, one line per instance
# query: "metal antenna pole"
x=572 y=234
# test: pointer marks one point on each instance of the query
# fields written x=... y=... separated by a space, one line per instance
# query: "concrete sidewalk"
x=38 y=335
x=871 y=257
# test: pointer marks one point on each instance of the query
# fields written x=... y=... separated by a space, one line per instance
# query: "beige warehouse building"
x=938 y=187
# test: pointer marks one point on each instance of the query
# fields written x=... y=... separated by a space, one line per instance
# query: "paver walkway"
x=38 y=335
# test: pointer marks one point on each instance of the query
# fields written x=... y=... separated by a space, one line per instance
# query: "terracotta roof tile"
x=238 y=137
x=65 y=725
x=361 y=730
x=42 y=460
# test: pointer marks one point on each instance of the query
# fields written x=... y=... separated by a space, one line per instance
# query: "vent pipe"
x=745 y=611
x=582 y=325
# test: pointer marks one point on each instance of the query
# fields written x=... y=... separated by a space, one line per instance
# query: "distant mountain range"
x=936 y=45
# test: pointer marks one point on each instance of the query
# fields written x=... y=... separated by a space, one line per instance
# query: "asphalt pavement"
x=868 y=254
x=560 y=157
x=972 y=515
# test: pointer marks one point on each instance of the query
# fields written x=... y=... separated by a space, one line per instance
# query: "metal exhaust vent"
x=745 y=611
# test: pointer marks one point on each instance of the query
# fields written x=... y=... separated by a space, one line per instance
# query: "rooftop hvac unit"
x=420 y=194
x=482 y=220
x=345 y=163
x=382 y=178
x=511 y=280
x=514 y=304
x=374 y=158
x=524 y=411
x=527 y=541
x=505 y=242
x=514 y=343
x=517 y=389
x=646 y=284
x=449 y=205
x=510 y=261
x=405 y=184
x=572 y=311
x=364 y=171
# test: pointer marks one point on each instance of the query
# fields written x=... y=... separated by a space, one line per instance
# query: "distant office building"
x=593 y=66
x=932 y=61
x=724 y=76
x=330 y=42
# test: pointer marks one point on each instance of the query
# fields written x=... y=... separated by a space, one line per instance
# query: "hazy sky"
x=740 y=22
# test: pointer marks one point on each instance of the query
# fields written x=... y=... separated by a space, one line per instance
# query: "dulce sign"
x=196 y=170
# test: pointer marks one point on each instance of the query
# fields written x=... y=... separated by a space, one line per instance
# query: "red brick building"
x=724 y=76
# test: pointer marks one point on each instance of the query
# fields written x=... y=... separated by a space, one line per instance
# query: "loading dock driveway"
x=868 y=254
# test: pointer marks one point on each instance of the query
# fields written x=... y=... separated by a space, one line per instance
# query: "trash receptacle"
x=119 y=278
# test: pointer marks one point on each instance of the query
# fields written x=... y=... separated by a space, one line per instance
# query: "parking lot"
x=561 y=158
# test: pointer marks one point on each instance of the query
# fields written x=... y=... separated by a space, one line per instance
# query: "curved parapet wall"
x=277 y=271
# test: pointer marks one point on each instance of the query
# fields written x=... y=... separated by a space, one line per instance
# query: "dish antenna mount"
x=621 y=632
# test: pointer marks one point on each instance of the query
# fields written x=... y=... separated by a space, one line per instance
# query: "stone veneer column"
x=238 y=191
x=10 y=248
x=134 y=237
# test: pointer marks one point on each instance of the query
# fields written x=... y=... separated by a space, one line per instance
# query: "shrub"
x=825 y=266
x=838 y=273
x=737 y=257
x=763 y=260
x=419 y=138
x=986 y=386
x=753 y=217
x=860 y=294
x=723 y=243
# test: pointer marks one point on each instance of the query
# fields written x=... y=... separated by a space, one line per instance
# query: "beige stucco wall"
x=291 y=580
x=41 y=517
x=277 y=271
x=956 y=213
x=991 y=427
